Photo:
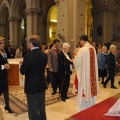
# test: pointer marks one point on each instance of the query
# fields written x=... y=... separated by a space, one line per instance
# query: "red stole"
x=93 y=73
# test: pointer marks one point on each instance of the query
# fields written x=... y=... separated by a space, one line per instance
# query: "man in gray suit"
x=53 y=65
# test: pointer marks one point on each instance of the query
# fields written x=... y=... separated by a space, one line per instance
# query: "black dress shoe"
x=102 y=82
x=113 y=87
x=8 y=109
x=53 y=93
x=119 y=82
x=66 y=97
x=63 y=99
x=104 y=85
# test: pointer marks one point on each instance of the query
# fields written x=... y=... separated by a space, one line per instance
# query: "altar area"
x=15 y=78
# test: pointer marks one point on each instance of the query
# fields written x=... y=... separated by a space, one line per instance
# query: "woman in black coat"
x=64 y=70
x=4 y=66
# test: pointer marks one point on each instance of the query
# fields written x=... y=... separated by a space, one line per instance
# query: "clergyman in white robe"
x=87 y=73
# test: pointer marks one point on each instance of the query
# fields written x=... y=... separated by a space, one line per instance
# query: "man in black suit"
x=33 y=68
x=9 y=52
x=111 y=66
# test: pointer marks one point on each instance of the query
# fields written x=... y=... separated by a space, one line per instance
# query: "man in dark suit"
x=111 y=66
x=9 y=52
x=33 y=68
x=64 y=70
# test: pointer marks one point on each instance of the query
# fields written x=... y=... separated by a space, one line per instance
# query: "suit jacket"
x=9 y=52
x=52 y=60
x=3 y=75
x=64 y=64
x=33 y=68
x=111 y=63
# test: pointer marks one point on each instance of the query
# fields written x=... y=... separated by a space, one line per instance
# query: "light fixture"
x=23 y=27
x=53 y=20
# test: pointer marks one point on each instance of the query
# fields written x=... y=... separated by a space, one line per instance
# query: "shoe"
x=104 y=85
x=114 y=87
x=102 y=82
x=53 y=93
x=63 y=99
x=119 y=82
x=66 y=97
x=8 y=109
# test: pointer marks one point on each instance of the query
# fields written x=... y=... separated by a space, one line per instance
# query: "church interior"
x=65 y=20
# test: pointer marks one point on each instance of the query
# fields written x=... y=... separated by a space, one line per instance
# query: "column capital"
x=10 y=19
x=33 y=11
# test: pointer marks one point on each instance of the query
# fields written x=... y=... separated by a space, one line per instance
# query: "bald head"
x=35 y=40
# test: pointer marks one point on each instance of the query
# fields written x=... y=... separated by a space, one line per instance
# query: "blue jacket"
x=102 y=61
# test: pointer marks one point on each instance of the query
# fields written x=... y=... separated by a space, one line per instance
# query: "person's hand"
x=6 y=66
x=72 y=60
x=106 y=67
x=116 y=63
x=21 y=62
x=51 y=70
x=11 y=55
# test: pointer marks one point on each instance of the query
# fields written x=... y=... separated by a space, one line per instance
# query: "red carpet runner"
x=97 y=111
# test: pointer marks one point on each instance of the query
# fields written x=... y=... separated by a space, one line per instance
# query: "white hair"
x=104 y=47
x=65 y=45
x=112 y=46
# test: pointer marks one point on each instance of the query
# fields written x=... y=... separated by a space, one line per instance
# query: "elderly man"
x=87 y=73
x=111 y=65
x=64 y=70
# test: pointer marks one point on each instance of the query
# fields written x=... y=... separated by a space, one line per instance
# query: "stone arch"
x=45 y=26
x=4 y=5
x=16 y=6
x=4 y=24
x=52 y=25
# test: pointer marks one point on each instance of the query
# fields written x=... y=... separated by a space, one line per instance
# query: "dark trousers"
x=111 y=75
x=65 y=81
x=36 y=106
x=55 y=81
x=6 y=98
x=48 y=76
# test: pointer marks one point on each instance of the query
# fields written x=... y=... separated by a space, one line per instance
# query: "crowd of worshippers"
x=108 y=63
x=108 y=60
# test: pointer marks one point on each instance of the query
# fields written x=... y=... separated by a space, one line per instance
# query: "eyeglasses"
x=66 y=48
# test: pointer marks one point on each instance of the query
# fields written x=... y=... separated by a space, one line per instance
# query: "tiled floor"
x=62 y=110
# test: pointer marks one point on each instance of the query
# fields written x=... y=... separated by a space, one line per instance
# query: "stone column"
x=32 y=16
x=15 y=31
x=103 y=13
x=4 y=31
x=71 y=21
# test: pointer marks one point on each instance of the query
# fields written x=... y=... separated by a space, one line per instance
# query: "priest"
x=87 y=73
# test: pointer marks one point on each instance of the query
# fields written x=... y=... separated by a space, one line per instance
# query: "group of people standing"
x=59 y=65
x=33 y=67
x=107 y=65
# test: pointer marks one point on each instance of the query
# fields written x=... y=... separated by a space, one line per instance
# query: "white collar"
x=35 y=48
